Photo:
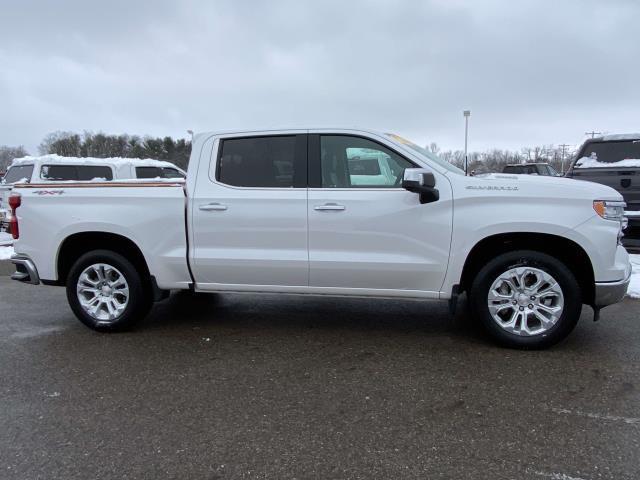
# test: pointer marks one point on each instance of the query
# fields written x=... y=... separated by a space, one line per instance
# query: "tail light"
x=15 y=200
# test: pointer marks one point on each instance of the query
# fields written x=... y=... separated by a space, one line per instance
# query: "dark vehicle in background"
x=531 y=169
x=614 y=160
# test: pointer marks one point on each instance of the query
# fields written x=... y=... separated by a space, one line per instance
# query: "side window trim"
x=300 y=162
x=315 y=166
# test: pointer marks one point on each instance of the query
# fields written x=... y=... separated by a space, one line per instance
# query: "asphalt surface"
x=246 y=386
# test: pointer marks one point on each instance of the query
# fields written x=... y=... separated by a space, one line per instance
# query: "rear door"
x=249 y=214
x=372 y=235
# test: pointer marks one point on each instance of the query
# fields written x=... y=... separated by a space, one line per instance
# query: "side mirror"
x=422 y=182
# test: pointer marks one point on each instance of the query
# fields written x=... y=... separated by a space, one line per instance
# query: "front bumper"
x=608 y=293
x=26 y=271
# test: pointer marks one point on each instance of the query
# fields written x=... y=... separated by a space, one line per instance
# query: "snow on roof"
x=115 y=161
x=619 y=136
x=588 y=162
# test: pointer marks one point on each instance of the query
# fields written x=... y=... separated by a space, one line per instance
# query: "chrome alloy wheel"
x=103 y=292
x=525 y=301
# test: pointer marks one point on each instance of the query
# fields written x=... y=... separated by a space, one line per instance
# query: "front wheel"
x=526 y=299
x=106 y=292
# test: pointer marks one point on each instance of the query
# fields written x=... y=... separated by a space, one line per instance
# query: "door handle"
x=213 y=207
x=329 y=206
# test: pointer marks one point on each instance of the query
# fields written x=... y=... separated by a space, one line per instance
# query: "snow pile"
x=5 y=253
x=621 y=136
x=634 y=286
x=54 y=159
x=589 y=162
x=5 y=238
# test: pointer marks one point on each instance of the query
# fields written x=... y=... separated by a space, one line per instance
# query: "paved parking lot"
x=238 y=386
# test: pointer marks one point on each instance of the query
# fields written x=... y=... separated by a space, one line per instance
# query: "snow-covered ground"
x=5 y=239
x=5 y=253
x=634 y=286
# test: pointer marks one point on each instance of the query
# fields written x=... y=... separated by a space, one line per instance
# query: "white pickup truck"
x=291 y=211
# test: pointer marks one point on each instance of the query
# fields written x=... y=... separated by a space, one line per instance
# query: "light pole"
x=467 y=114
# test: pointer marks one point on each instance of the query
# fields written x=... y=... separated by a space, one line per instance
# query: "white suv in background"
x=54 y=168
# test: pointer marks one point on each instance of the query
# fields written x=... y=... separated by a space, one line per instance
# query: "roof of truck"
x=618 y=136
x=287 y=129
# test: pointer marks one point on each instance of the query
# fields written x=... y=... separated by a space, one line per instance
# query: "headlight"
x=610 y=210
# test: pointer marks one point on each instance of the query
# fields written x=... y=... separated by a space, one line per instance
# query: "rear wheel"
x=526 y=299
x=106 y=292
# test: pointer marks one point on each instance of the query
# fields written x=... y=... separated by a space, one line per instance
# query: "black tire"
x=478 y=298
x=140 y=298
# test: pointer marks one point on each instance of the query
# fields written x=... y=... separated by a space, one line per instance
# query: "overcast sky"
x=531 y=71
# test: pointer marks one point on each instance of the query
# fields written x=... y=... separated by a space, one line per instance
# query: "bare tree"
x=7 y=154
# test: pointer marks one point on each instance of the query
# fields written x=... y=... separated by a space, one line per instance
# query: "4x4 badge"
x=48 y=192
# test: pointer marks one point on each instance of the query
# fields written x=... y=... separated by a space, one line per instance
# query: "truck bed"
x=150 y=214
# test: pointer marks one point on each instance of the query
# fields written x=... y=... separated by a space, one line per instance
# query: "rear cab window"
x=609 y=152
x=76 y=172
x=18 y=173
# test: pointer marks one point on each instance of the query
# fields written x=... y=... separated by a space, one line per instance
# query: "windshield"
x=425 y=153
x=18 y=173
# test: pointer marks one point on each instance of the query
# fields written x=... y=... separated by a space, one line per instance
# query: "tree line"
x=102 y=145
x=177 y=151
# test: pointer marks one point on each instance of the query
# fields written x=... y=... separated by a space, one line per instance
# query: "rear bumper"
x=26 y=271
x=608 y=293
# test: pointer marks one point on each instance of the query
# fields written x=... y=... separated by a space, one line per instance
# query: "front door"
x=365 y=231
x=249 y=215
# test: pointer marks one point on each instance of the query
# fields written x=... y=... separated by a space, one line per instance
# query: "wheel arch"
x=77 y=244
x=563 y=249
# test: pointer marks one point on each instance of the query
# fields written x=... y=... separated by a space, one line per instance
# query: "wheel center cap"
x=523 y=299
x=106 y=290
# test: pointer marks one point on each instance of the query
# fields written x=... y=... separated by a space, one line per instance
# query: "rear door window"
x=272 y=162
x=18 y=173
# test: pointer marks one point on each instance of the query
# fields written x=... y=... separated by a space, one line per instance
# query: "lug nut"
x=533 y=297
x=530 y=306
x=521 y=308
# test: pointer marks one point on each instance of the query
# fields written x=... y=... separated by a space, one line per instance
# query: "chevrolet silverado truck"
x=614 y=160
x=291 y=211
